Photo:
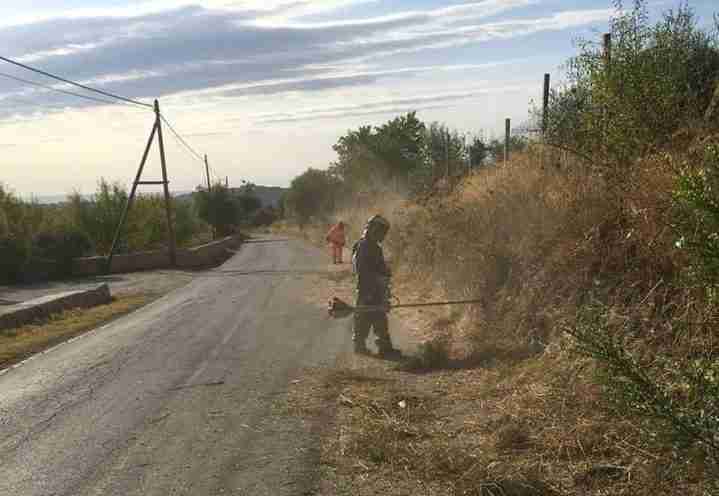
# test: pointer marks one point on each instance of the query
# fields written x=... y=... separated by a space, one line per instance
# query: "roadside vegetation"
x=38 y=241
x=592 y=364
x=20 y=343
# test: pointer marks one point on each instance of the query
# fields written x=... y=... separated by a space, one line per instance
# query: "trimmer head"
x=338 y=309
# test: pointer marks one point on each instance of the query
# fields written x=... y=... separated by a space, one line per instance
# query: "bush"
x=696 y=200
x=677 y=395
x=219 y=208
x=61 y=247
x=616 y=109
x=14 y=254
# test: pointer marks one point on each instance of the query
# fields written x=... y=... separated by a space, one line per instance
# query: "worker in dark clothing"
x=372 y=288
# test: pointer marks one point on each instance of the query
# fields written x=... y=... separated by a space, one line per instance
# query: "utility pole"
x=165 y=187
x=227 y=182
x=156 y=131
x=207 y=172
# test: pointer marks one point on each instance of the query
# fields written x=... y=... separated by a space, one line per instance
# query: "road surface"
x=181 y=396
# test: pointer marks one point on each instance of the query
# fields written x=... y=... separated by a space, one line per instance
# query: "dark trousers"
x=375 y=321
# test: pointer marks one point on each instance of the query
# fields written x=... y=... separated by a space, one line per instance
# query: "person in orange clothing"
x=336 y=238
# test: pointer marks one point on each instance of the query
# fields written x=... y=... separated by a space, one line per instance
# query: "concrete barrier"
x=41 y=308
x=205 y=255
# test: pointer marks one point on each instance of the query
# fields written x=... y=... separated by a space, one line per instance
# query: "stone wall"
x=206 y=255
x=41 y=308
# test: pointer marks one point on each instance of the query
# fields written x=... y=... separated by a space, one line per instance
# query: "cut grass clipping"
x=18 y=344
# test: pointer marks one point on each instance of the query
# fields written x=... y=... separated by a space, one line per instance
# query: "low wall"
x=206 y=255
x=41 y=308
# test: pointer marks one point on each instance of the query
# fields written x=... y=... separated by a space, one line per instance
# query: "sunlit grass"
x=17 y=344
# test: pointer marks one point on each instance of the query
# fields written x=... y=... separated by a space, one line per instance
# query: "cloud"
x=386 y=105
x=229 y=49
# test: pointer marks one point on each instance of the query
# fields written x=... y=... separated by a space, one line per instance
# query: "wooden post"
x=506 y=139
x=168 y=205
x=607 y=47
x=207 y=172
x=130 y=199
x=711 y=109
x=545 y=104
x=446 y=155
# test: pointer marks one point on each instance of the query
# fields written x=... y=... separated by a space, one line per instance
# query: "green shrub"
x=696 y=201
x=61 y=247
x=617 y=109
x=14 y=255
x=677 y=396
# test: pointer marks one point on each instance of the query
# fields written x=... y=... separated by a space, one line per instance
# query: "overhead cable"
x=182 y=140
x=73 y=83
x=48 y=87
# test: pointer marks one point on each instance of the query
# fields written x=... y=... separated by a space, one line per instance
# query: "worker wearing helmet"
x=372 y=288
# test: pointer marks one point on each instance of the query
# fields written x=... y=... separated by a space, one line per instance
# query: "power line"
x=73 y=83
x=182 y=140
x=48 y=87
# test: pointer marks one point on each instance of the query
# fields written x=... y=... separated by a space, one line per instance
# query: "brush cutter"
x=339 y=309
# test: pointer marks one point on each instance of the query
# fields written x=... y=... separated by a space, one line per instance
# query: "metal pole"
x=506 y=139
x=545 y=104
x=207 y=171
x=130 y=199
x=168 y=205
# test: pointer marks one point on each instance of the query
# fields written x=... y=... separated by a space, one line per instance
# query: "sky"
x=266 y=87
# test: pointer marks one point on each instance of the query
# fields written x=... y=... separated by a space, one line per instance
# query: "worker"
x=373 y=277
x=336 y=238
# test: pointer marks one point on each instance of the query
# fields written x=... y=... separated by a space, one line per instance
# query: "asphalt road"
x=181 y=396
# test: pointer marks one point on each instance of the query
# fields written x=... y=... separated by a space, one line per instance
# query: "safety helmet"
x=377 y=226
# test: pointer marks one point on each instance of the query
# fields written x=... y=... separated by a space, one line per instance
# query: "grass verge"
x=22 y=342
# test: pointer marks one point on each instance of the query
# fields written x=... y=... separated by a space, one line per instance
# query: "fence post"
x=166 y=190
x=545 y=105
x=506 y=139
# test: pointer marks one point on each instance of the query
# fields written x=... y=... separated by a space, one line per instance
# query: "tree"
x=310 y=194
x=478 y=152
x=219 y=208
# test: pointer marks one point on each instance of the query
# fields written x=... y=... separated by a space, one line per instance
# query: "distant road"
x=180 y=397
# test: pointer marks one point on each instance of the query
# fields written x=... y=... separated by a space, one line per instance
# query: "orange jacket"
x=336 y=235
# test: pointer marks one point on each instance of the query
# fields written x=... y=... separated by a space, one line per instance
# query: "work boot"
x=390 y=353
x=361 y=349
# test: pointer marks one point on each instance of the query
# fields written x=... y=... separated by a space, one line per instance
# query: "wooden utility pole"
x=506 y=139
x=165 y=187
x=156 y=131
x=207 y=172
x=545 y=104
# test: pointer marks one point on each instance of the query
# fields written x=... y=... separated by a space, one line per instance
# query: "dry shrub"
x=504 y=236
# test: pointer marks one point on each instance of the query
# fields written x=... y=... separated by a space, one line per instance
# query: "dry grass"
x=503 y=404
x=18 y=344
